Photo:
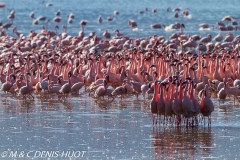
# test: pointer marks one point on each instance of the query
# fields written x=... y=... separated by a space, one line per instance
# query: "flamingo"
x=136 y=86
x=58 y=13
x=71 y=15
x=57 y=19
x=8 y=84
x=82 y=23
x=70 y=20
x=176 y=105
x=154 y=101
x=132 y=23
x=233 y=90
x=116 y=12
x=229 y=38
x=194 y=100
x=205 y=26
x=66 y=88
x=120 y=90
x=206 y=105
x=218 y=38
x=109 y=19
x=99 y=19
x=188 y=108
x=157 y=26
x=101 y=91
x=31 y=15
x=53 y=88
x=222 y=94
x=7 y=25
x=161 y=102
x=206 y=39
x=42 y=18
x=168 y=102
x=44 y=83
x=176 y=15
x=106 y=34
x=27 y=89
x=16 y=32
x=76 y=87
x=154 y=10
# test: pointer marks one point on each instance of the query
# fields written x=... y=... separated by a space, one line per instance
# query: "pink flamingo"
x=206 y=105
x=154 y=101
x=101 y=91
x=27 y=89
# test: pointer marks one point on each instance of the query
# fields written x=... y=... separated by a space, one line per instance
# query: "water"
x=205 y=11
x=119 y=129
x=112 y=130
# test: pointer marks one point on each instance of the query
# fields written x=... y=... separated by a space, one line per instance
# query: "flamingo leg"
x=153 y=117
x=31 y=95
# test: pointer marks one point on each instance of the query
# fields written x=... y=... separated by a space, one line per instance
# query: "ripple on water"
x=57 y=131
x=209 y=157
x=20 y=132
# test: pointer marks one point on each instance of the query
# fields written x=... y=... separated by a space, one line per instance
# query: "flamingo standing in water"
x=100 y=19
x=218 y=38
x=101 y=91
x=206 y=105
x=121 y=90
x=195 y=102
x=132 y=23
x=136 y=86
x=27 y=89
x=7 y=25
x=168 y=102
x=222 y=94
x=53 y=88
x=154 y=101
x=76 y=87
x=66 y=88
x=176 y=105
x=82 y=23
x=187 y=105
x=8 y=84
x=205 y=26
x=161 y=102
x=106 y=34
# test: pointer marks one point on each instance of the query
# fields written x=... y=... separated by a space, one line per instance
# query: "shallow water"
x=120 y=129
x=112 y=130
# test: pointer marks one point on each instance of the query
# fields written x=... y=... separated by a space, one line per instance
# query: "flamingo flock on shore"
x=181 y=71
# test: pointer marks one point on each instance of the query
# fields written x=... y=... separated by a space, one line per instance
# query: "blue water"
x=116 y=130
x=204 y=11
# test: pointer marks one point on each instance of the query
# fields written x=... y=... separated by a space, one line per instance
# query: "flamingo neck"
x=156 y=91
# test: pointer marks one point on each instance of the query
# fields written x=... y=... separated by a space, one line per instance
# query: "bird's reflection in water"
x=226 y=108
x=68 y=106
x=103 y=104
x=179 y=142
x=27 y=106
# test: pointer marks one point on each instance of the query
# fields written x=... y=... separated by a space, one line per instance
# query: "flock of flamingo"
x=180 y=71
